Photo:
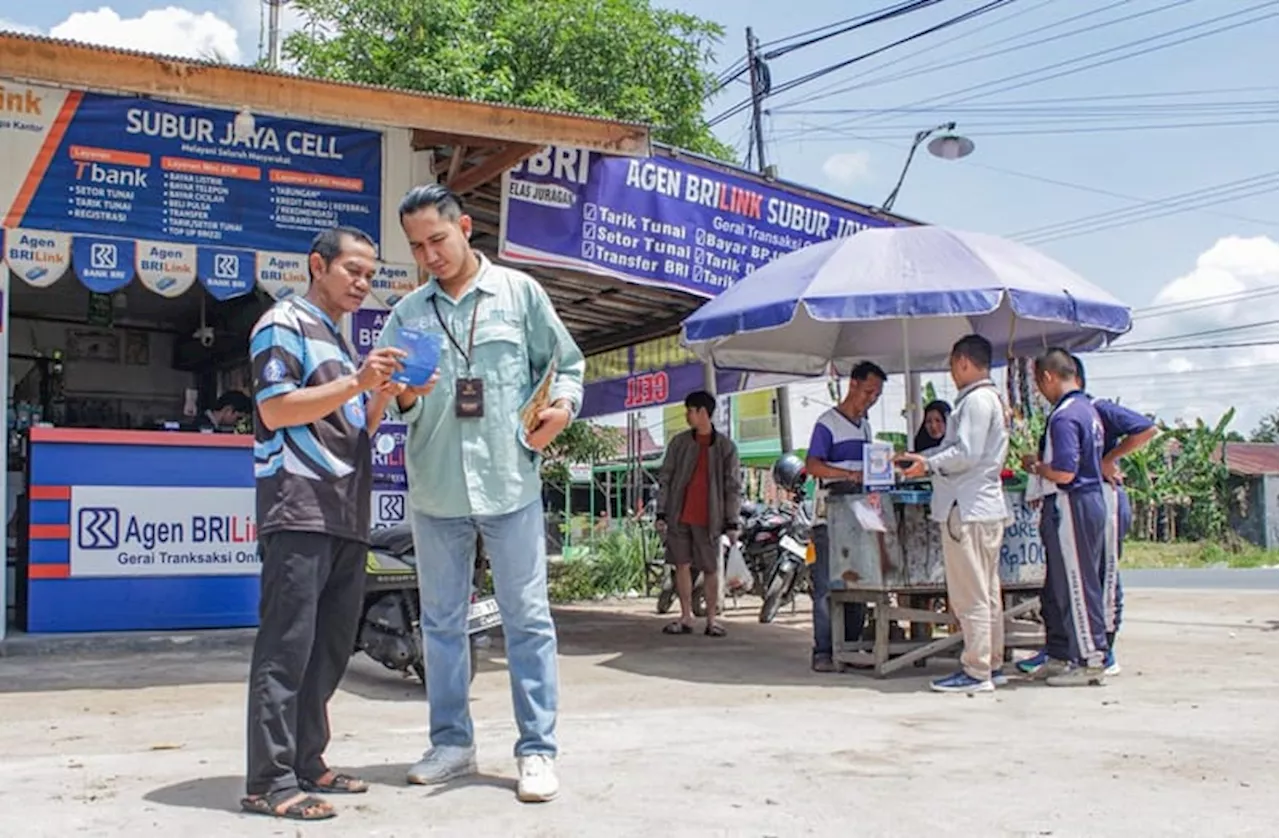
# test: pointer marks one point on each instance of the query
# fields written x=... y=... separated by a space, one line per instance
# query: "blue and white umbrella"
x=900 y=296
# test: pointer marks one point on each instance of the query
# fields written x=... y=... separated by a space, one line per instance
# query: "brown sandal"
x=303 y=808
x=337 y=784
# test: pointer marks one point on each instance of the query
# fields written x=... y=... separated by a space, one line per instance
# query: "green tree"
x=622 y=59
x=581 y=442
x=1268 y=429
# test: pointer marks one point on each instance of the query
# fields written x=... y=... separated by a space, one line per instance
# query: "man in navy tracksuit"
x=1123 y=432
x=1073 y=526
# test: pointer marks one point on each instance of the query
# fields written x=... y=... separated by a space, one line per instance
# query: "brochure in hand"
x=537 y=402
x=423 y=356
x=877 y=466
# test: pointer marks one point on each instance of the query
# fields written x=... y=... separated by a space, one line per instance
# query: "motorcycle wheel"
x=667 y=597
x=699 y=599
x=775 y=594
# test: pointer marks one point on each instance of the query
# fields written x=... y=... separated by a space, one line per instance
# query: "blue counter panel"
x=74 y=464
x=157 y=603
x=102 y=595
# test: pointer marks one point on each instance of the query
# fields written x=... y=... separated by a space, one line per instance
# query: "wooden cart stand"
x=897 y=573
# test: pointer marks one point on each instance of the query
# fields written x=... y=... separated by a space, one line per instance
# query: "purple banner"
x=649 y=374
x=388 y=457
x=366 y=325
x=657 y=221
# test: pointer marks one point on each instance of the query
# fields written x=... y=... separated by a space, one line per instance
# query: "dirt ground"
x=676 y=736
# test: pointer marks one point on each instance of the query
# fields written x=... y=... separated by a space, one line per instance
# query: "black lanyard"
x=471 y=340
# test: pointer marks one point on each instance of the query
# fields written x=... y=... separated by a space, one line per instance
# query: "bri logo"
x=99 y=528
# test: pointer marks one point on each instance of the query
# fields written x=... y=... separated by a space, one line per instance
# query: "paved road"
x=1217 y=579
x=689 y=736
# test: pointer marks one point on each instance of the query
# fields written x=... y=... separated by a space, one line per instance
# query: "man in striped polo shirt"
x=314 y=472
x=835 y=457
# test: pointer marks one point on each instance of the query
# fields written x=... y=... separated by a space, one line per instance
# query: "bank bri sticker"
x=657 y=221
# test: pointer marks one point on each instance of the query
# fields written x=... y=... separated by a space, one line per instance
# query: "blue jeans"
x=855 y=613
x=516 y=545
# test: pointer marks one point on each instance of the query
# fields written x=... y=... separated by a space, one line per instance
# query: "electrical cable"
x=1208 y=196
x=936 y=45
x=1022 y=78
x=819 y=73
x=976 y=55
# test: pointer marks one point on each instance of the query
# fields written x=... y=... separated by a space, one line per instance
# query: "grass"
x=1192 y=554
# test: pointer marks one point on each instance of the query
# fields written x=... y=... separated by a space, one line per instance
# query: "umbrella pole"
x=911 y=384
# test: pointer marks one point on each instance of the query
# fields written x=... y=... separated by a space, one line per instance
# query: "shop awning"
x=106 y=264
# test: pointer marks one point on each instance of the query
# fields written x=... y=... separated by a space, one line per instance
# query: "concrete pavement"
x=689 y=736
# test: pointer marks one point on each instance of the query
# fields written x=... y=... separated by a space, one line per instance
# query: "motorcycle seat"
x=396 y=540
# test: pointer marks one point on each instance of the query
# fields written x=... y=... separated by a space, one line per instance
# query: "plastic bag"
x=736 y=573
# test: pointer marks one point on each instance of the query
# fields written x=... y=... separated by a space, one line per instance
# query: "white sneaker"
x=442 y=764
x=538 y=782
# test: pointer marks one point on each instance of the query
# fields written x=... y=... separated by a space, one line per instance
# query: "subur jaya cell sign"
x=659 y=222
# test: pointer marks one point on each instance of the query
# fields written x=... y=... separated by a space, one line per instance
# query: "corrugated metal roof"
x=281 y=74
x=1252 y=459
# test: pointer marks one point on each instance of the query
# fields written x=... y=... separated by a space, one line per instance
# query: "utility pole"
x=782 y=395
x=273 y=33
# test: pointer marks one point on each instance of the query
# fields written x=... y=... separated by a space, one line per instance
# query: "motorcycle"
x=789 y=573
x=390 y=623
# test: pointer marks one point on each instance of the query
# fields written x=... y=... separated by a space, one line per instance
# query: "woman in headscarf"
x=934 y=426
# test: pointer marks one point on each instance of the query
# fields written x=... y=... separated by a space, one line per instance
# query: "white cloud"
x=848 y=167
x=21 y=28
x=1233 y=284
x=168 y=31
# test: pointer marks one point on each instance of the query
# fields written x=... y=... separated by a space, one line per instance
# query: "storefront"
x=143 y=235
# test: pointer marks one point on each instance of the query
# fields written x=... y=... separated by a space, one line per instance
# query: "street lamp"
x=949 y=146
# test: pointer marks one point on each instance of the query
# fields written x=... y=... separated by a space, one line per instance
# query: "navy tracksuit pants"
x=1073 y=528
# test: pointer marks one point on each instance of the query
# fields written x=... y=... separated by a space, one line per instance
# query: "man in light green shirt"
x=472 y=472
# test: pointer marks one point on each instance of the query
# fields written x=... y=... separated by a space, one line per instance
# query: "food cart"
x=893 y=564
x=900 y=297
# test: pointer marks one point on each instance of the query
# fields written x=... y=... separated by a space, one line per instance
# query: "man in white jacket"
x=969 y=505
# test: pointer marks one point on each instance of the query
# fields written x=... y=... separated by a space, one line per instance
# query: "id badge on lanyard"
x=468 y=392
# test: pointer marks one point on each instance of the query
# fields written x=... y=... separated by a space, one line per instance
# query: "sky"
x=1188 y=152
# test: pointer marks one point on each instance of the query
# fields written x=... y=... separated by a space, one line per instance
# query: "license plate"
x=483 y=614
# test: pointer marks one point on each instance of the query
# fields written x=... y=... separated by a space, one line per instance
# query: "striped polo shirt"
x=839 y=441
x=316 y=477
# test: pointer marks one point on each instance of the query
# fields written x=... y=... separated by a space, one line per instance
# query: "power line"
x=935 y=46
x=819 y=73
x=1022 y=79
x=825 y=27
x=1051 y=127
x=1168 y=309
x=1111 y=220
x=1189 y=348
x=888 y=13
x=976 y=55
x=969 y=161
x=1204 y=333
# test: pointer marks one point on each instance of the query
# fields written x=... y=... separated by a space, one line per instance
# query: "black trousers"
x=312 y=592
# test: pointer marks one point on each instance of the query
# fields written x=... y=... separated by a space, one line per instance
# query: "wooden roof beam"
x=491 y=167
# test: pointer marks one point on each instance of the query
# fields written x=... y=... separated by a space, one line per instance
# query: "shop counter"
x=886 y=553
x=140 y=530
x=905 y=551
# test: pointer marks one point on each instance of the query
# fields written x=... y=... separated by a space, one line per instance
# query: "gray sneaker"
x=442 y=764
x=1051 y=669
x=1078 y=676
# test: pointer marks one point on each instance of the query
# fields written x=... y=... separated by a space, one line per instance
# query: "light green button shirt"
x=463 y=467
